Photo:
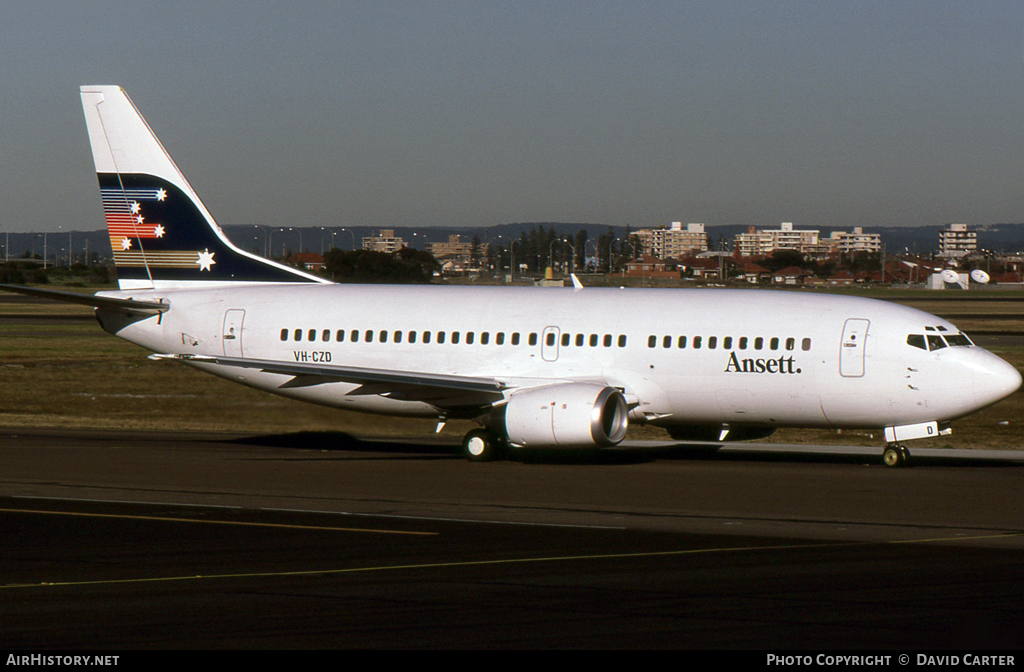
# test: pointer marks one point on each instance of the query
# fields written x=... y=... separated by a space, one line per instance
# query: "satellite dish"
x=950 y=276
x=980 y=276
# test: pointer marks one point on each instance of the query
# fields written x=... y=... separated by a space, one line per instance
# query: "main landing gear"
x=481 y=445
x=896 y=455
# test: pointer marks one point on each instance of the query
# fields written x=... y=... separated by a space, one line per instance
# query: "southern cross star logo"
x=161 y=194
x=126 y=243
x=159 y=231
x=205 y=260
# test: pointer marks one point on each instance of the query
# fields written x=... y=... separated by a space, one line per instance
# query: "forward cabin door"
x=233 y=332
x=851 y=352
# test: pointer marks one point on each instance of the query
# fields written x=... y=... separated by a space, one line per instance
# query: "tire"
x=480 y=445
x=894 y=456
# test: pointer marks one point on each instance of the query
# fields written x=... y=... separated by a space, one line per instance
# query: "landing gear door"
x=232 y=335
x=851 y=352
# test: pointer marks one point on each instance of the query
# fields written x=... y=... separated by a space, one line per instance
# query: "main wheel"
x=480 y=445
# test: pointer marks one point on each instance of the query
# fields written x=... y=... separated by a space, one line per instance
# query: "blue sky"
x=826 y=114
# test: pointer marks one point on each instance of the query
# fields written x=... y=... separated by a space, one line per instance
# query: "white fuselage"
x=750 y=357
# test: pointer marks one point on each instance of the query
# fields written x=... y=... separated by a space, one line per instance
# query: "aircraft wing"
x=110 y=303
x=449 y=392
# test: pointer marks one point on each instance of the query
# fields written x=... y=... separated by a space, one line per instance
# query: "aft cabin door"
x=851 y=352
x=233 y=333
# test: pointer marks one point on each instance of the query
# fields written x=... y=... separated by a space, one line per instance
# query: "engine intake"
x=570 y=415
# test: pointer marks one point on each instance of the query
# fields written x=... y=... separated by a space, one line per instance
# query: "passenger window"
x=593 y=341
x=354 y=336
x=774 y=344
x=580 y=338
x=696 y=342
x=284 y=334
x=666 y=342
x=298 y=334
x=485 y=338
x=455 y=338
x=397 y=337
x=326 y=335
x=340 y=336
x=607 y=340
x=622 y=340
x=368 y=336
x=426 y=337
x=499 y=338
x=652 y=341
x=806 y=344
x=935 y=342
x=758 y=343
x=681 y=343
x=440 y=337
x=565 y=339
x=412 y=336
x=515 y=338
x=383 y=336
x=790 y=343
x=743 y=342
x=712 y=342
x=727 y=343
x=312 y=334
x=470 y=337
x=533 y=338
x=916 y=340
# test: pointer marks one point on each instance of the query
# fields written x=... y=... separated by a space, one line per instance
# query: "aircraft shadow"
x=443 y=449
x=336 y=442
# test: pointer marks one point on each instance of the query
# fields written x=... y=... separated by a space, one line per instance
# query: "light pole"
x=264 y=238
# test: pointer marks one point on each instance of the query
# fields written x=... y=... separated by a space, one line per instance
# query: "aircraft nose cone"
x=995 y=380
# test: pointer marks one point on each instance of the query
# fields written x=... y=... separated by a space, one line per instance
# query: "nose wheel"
x=896 y=455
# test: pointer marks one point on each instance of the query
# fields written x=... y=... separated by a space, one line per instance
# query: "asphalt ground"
x=137 y=540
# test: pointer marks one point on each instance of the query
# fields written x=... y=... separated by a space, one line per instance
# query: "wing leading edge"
x=444 y=391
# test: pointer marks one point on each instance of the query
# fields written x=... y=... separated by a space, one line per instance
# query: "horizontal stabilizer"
x=108 y=302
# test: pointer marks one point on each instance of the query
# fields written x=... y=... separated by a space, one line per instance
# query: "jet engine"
x=570 y=415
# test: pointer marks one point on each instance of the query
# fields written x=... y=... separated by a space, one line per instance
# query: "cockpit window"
x=935 y=342
x=958 y=340
x=916 y=340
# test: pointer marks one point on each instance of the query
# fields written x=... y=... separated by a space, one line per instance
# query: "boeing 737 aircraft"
x=534 y=367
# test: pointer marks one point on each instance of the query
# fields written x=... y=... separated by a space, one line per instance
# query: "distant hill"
x=1001 y=238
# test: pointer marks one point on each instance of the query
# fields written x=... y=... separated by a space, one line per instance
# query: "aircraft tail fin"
x=161 y=234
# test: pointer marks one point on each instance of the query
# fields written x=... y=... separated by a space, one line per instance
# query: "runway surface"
x=181 y=540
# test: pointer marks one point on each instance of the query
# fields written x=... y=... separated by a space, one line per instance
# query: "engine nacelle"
x=570 y=415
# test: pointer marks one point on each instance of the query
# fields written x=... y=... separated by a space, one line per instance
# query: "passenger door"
x=232 y=335
x=851 y=351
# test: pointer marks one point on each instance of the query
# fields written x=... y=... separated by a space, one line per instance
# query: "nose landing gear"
x=896 y=455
